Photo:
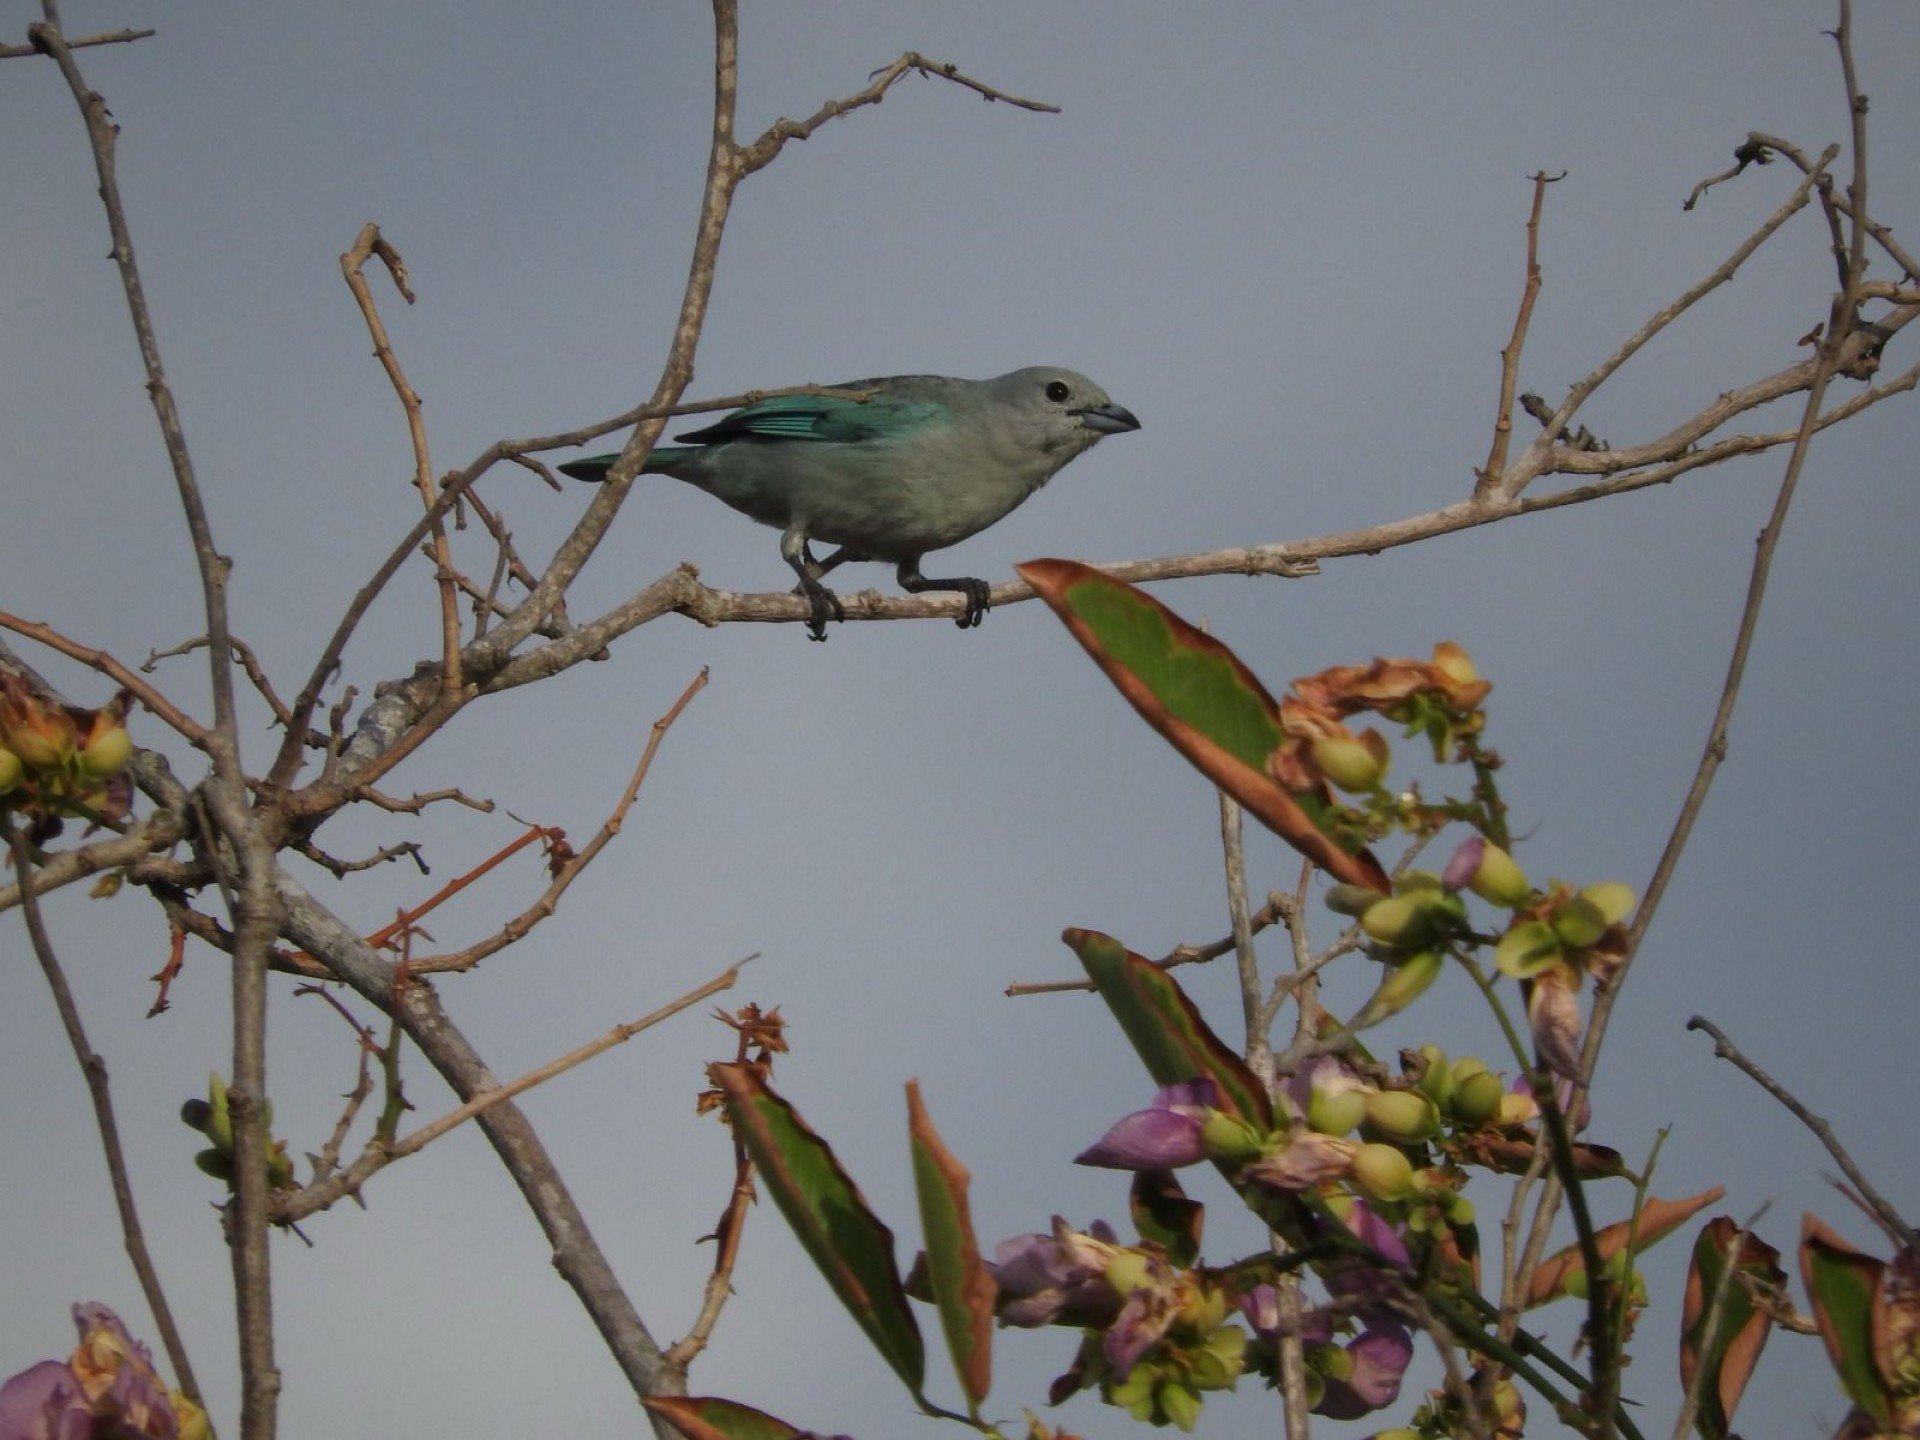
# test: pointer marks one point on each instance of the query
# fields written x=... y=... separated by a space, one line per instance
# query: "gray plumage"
x=921 y=464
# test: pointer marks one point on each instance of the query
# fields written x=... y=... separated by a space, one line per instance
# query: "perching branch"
x=1889 y=1217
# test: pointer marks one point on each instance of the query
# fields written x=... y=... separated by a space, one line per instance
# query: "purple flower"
x=1057 y=1279
x=1163 y=1137
x=1261 y=1307
x=106 y=1390
x=1465 y=863
x=1377 y=1358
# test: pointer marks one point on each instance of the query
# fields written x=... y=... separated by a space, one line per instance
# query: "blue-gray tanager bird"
x=921 y=463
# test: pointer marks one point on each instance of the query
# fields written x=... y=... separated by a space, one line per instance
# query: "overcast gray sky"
x=1289 y=238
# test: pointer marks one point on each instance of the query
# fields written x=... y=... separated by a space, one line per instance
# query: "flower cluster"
x=106 y=1390
x=1438 y=698
x=1159 y=1335
x=58 y=760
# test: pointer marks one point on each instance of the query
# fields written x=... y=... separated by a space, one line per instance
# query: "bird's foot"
x=825 y=606
x=979 y=599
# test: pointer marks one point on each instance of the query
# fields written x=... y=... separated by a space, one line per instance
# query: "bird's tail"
x=660 y=462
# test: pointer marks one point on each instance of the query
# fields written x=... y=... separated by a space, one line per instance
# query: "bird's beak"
x=1108 y=419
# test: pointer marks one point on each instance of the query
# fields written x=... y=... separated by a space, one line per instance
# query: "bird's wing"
x=820 y=417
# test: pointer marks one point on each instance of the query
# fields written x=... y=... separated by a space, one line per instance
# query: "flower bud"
x=1497 y=879
x=1436 y=1080
x=1353 y=900
x=1382 y=1172
x=1335 y=1112
x=1578 y=922
x=1527 y=948
x=1178 y=1403
x=1476 y=1099
x=1452 y=660
x=1517 y=1109
x=12 y=771
x=220 y=1118
x=40 y=736
x=1611 y=898
x=1406 y=980
x=1228 y=1139
x=1357 y=764
x=107 y=749
x=1405 y=1117
x=1399 y=921
x=1220 y=1361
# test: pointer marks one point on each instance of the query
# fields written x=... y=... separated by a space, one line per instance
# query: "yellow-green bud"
x=1229 y=1139
x=1517 y=1109
x=1579 y=922
x=1220 y=1361
x=1611 y=898
x=1178 y=1404
x=1406 y=980
x=1499 y=880
x=1353 y=899
x=1400 y=921
x=1403 y=1116
x=1382 y=1172
x=1476 y=1099
x=1527 y=949
x=12 y=771
x=1335 y=1112
x=109 y=748
x=1419 y=882
x=1436 y=1081
x=1356 y=764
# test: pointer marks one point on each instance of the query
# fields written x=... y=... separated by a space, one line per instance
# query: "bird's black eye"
x=1057 y=391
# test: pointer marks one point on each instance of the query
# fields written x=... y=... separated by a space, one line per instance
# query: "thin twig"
x=1268 y=914
x=1725 y=1049
x=94 y=1070
x=189 y=728
x=370 y=244
x=105 y=37
x=567 y=872
x=377 y=1157
x=1496 y=464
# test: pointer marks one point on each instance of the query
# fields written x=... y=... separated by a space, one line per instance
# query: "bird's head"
x=1058 y=410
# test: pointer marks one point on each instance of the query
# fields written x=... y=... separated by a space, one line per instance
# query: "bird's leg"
x=976 y=591
x=838 y=558
x=824 y=603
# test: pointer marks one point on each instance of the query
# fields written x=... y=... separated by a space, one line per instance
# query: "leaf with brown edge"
x=1199 y=696
x=1165 y=1026
x=1658 y=1219
x=963 y=1291
x=1163 y=1215
x=849 y=1244
x=1745 y=1322
x=704 y=1417
x=1847 y=1290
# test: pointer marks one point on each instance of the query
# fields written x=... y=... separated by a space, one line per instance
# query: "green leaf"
x=962 y=1290
x=701 y=1417
x=1198 y=695
x=1845 y=1286
x=1742 y=1333
x=853 y=1249
x=1166 y=1028
x=1164 y=1215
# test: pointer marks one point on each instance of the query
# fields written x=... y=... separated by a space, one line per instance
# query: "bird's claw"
x=979 y=598
x=825 y=606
